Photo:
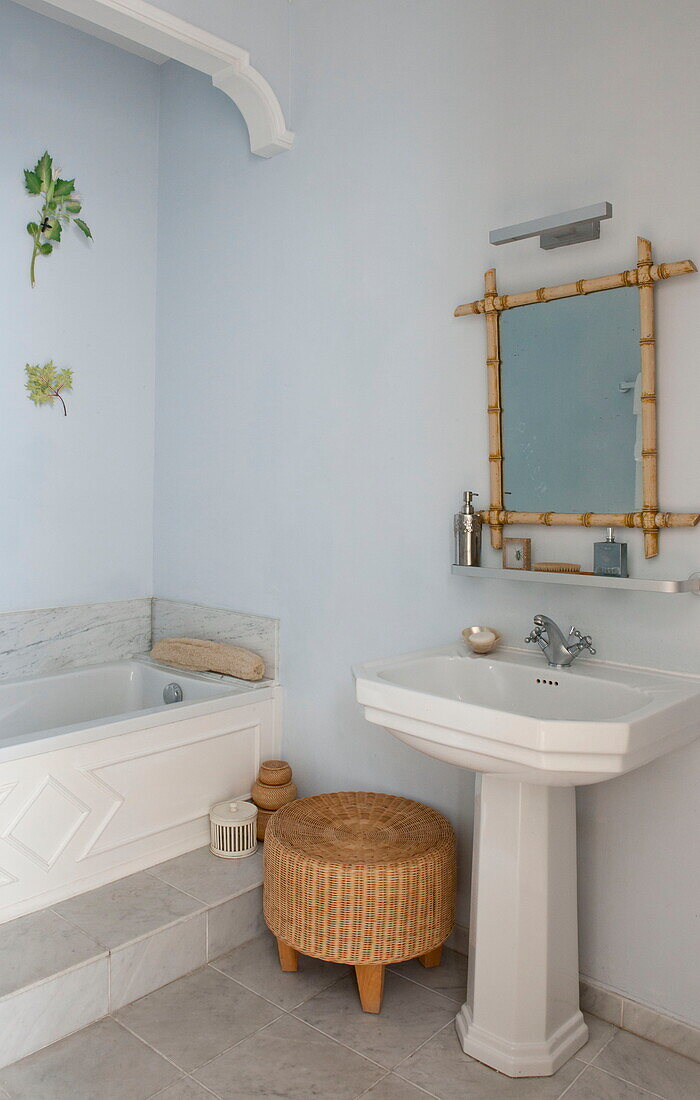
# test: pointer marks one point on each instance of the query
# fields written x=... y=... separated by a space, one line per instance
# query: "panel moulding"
x=141 y=28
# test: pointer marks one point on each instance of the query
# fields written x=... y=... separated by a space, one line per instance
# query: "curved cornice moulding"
x=142 y=28
x=259 y=106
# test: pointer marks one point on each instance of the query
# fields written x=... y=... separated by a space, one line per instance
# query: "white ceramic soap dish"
x=481 y=639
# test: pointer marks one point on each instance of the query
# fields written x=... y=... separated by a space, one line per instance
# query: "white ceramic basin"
x=509 y=714
x=533 y=733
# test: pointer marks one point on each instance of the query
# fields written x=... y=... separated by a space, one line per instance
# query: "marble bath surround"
x=33 y=643
x=49 y=639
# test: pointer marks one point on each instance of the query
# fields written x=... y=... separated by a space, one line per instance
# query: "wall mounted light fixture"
x=556 y=230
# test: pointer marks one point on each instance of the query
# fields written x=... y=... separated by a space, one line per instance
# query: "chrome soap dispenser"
x=610 y=557
x=468 y=533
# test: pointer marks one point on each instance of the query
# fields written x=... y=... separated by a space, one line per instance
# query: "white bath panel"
x=6 y=878
x=171 y=784
x=6 y=791
x=47 y=823
x=88 y=813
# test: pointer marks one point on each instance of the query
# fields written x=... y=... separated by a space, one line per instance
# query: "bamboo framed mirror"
x=572 y=403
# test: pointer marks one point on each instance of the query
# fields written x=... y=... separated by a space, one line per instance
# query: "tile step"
x=69 y=965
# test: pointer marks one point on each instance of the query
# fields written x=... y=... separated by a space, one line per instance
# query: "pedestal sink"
x=533 y=734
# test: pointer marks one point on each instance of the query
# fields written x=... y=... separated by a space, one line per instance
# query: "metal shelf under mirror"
x=632 y=584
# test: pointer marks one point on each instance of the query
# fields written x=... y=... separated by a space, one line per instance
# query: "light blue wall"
x=76 y=511
x=319 y=411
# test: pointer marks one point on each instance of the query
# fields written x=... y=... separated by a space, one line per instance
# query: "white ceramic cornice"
x=157 y=35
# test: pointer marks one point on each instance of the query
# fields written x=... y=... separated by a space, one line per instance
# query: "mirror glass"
x=572 y=410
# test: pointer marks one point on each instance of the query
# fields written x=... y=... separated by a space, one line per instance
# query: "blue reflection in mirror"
x=571 y=398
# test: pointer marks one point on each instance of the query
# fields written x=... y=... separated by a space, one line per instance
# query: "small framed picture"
x=516 y=553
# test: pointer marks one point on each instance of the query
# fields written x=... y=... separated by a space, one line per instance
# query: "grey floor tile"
x=195 y=1018
x=256 y=965
x=123 y=911
x=103 y=1062
x=185 y=1089
x=40 y=946
x=291 y=1061
x=392 y=1087
x=449 y=978
x=154 y=961
x=651 y=1067
x=599 y=1035
x=442 y=1067
x=410 y=1014
x=594 y=1084
x=210 y=878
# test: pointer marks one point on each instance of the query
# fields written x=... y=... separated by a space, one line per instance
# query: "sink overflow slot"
x=547 y=683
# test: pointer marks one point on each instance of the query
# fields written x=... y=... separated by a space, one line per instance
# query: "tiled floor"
x=240 y=1029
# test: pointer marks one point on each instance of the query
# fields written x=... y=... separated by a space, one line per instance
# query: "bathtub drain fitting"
x=172 y=694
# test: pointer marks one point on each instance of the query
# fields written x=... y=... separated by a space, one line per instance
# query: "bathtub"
x=99 y=777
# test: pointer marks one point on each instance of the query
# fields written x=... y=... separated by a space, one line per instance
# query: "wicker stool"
x=361 y=879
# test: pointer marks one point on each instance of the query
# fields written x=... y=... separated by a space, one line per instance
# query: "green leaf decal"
x=43 y=171
x=83 y=227
x=63 y=189
x=60 y=204
x=44 y=384
x=32 y=182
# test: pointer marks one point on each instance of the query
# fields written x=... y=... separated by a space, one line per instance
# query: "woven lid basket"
x=268 y=797
x=275 y=772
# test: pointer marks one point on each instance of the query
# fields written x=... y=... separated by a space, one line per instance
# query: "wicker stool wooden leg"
x=432 y=958
x=289 y=960
x=370 y=986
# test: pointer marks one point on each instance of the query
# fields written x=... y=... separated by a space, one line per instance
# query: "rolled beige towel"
x=201 y=656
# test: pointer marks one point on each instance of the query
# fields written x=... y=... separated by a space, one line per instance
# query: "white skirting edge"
x=522 y=1059
x=612 y=1007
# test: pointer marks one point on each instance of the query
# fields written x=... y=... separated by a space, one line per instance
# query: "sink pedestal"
x=522 y=1013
